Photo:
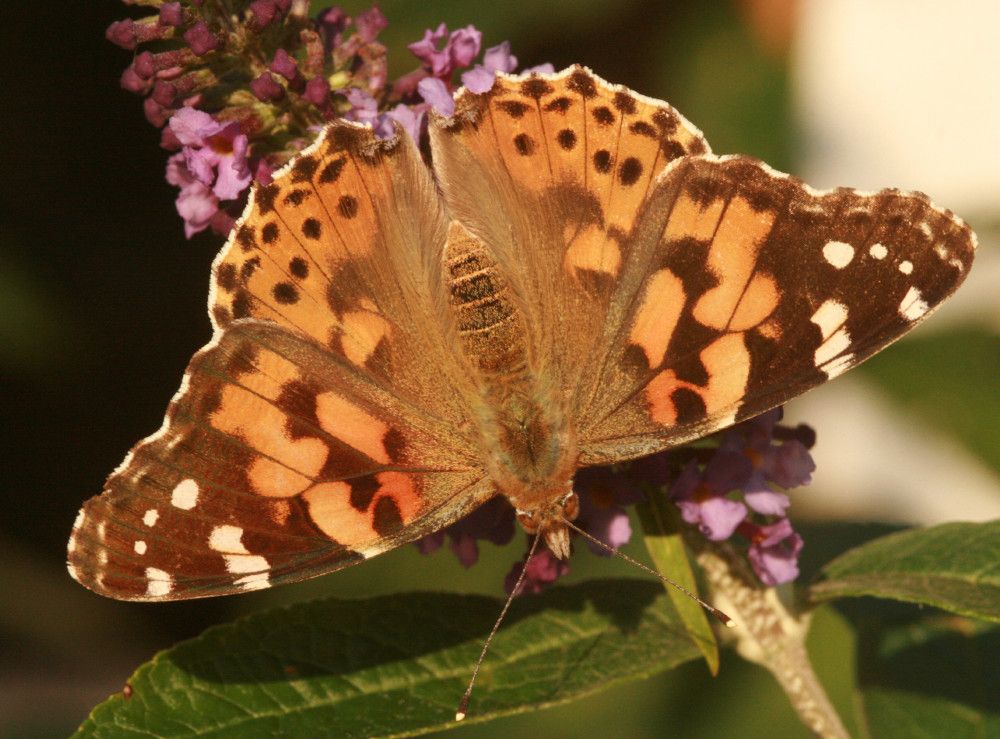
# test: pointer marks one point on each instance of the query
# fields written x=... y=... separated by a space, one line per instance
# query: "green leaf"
x=661 y=532
x=931 y=678
x=955 y=566
x=396 y=665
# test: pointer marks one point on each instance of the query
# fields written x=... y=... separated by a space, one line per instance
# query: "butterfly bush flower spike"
x=271 y=76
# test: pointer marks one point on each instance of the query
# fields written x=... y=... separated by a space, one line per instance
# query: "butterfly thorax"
x=527 y=440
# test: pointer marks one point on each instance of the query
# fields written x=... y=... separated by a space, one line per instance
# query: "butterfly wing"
x=760 y=288
x=322 y=425
x=549 y=172
x=673 y=292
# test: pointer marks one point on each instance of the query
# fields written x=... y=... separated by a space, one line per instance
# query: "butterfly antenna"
x=463 y=704
x=664 y=579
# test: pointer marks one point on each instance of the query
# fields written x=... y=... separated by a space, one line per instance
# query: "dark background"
x=102 y=303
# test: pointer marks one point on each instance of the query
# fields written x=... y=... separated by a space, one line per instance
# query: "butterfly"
x=576 y=280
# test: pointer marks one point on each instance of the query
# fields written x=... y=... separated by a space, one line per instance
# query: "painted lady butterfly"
x=577 y=281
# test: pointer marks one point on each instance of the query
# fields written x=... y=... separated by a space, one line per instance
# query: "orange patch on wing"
x=362 y=332
x=353 y=425
x=770 y=330
x=689 y=220
x=284 y=465
x=662 y=303
x=658 y=391
x=330 y=508
x=758 y=302
x=593 y=250
x=732 y=257
x=727 y=361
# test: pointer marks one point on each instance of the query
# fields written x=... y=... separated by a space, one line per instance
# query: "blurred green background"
x=102 y=304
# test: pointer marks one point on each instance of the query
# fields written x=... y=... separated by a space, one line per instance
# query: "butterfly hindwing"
x=760 y=289
x=275 y=464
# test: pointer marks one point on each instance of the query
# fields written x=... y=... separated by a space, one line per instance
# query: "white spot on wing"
x=227 y=539
x=906 y=267
x=150 y=517
x=829 y=349
x=838 y=253
x=159 y=583
x=243 y=563
x=253 y=582
x=139 y=546
x=830 y=316
x=878 y=251
x=185 y=495
x=913 y=305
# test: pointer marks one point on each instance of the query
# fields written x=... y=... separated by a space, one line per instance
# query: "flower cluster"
x=725 y=488
x=239 y=88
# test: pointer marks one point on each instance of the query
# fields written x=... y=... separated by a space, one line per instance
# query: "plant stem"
x=768 y=633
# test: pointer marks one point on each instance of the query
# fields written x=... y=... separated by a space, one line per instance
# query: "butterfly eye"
x=530 y=521
x=571 y=506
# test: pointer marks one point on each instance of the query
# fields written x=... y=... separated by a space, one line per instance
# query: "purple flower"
x=492 y=521
x=495 y=59
x=436 y=94
x=603 y=497
x=411 y=118
x=700 y=495
x=364 y=109
x=543 y=569
x=370 y=24
x=196 y=203
x=774 y=551
x=214 y=152
x=458 y=51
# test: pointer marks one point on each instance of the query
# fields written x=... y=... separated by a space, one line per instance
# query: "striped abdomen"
x=489 y=325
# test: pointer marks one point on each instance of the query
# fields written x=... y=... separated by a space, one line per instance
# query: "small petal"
x=542 y=569
x=790 y=464
x=264 y=12
x=370 y=23
x=478 y=79
x=774 y=553
x=611 y=526
x=191 y=126
x=546 y=68
x=717 y=517
x=435 y=92
x=463 y=46
x=763 y=500
x=410 y=118
x=499 y=59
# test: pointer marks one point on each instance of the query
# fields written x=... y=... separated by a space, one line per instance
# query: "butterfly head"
x=549 y=522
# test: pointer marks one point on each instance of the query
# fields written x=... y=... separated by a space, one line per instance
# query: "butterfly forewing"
x=759 y=290
x=345 y=246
